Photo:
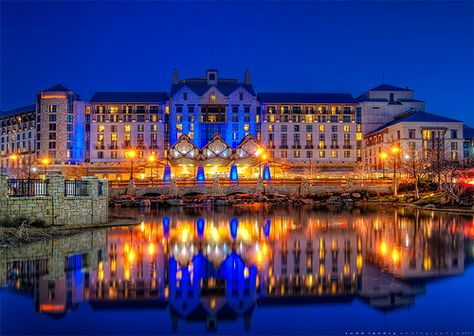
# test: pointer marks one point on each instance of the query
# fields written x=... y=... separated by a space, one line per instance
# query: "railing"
x=26 y=187
x=330 y=182
x=75 y=188
x=100 y=188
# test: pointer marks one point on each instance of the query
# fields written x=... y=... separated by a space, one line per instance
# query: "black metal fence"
x=27 y=187
x=100 y=188
x=75 y=188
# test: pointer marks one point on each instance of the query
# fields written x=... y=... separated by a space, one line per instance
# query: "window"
x=126 y=128
x=140 y=128
x=247 y=109
x=322 y=154
x=296 y=154
x=309 y=154
x=52 y=108
x=185 y=96
x=100 y=155
x=411 y=133
x=309 y=128
x=141 y=118
x=241 y=96
x=347 y=128
x=454 y=134
x=296 y=128
x=284 y=128
x=270 y=128
x=113 y=128
x=113 y=154
x=153 y=128
x=454 y=145
x=334 y=128
x=398 y=135
x=52 y=127
x=322 y=128
x=284 y=154
x=246 y=127
x=179 y=127
x=347 y=154
x=334 y=154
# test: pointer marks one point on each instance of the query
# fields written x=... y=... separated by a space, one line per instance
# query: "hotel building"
x=215 y=121
x=303 y=128
x=412 y=132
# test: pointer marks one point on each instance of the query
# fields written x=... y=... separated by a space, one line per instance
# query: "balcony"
x=283 y=146
x=308 y=146
x=99 y=147
x=347 y=147
x=296 y=147
x=334 y=147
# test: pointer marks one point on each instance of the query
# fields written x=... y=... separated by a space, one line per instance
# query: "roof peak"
x=57 y=88
x=388 y=87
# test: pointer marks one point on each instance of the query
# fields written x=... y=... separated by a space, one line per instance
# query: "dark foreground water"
x=248 y=270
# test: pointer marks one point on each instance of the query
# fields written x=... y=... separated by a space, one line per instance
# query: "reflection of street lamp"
x=13 y=157
x=45 y=162
x=131 y=155
x=152 y=159
x=395 y=151
x=383 y=156
x=260 y=152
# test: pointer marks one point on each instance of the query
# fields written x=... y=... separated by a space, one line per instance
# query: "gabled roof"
x=414 y=116
x=57 y=88
x=306 y=98
x=129 y=97
x=199 y=86
x=388 y=87
x=19 y=110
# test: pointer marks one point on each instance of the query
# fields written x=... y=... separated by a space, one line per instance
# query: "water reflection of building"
x=220 y=266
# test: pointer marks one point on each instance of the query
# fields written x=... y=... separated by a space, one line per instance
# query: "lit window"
x=334 y=154
x=322 y=154
x=114 y=137
x=179 y=127
x=191 y=135
x=101 y=128
x=246 y=127
x=322 y=128
x=358 y=136
x=126 y=128
x=113 y=109
x=347 y=128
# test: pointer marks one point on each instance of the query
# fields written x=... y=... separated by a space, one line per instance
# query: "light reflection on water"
x=222 y=265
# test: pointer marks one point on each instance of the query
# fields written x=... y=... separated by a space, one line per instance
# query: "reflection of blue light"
x=200 y=227
x=234 y=175
x=200 y=174
x=234 y=224
x=266 y=228
x=266 y=172
x=166 y=226
x=167 y=173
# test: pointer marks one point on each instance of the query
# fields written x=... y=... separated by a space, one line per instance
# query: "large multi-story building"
x=415 y=132
x=305 y=128
x=203 y=120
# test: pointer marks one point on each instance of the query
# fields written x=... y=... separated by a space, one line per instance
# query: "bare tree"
x=362 y=170
x=436 y=156
x=453 y=177
x=415 y=166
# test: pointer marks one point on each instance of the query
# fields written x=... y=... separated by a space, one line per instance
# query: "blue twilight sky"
x=307 y=46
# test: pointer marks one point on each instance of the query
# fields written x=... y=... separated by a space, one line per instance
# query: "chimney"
x=247 y=79
x=175 y=76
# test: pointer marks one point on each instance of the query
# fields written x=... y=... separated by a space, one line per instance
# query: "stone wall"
x=56 y=208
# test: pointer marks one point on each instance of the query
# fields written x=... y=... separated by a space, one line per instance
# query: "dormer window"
x=212 y=76
x=185 y=96
x=241 y=96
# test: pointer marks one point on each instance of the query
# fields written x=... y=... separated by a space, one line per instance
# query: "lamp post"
x=395 y=151
x=13 y=157
x=45 y=162
x=383 y=157
x=152 y=159
x=131 y=155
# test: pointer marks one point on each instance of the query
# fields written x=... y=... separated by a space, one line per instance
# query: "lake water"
x=254 y=270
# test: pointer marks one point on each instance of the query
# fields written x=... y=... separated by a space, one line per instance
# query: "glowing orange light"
x=130 y=154
x=395 y=255
x=142 y=227
x=383 y=155
x=151 y=158
x=395 y=150
x=13 y=157
x=264 y=156
x=45 y=161
x=131 y=256
x=383 y=248
x=151 y=249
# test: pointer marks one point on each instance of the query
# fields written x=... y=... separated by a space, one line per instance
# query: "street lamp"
x=45 y=162
x=383 y=156
x=131 y=155
x=152 y=159
x=13 y=157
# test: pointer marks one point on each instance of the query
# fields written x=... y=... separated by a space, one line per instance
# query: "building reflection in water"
x=211 y=266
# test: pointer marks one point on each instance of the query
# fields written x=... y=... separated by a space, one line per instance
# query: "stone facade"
x=56 y=208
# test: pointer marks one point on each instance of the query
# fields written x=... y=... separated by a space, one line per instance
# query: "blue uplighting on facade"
x=167 y=173
x=234 y=224
x=234 y=174
x=200 y=176
x=78 y=144
x=266 y=172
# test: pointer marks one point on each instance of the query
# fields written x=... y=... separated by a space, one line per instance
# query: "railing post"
x=55 y=190
x=3 y=186
x=92 y=185
x=105 y=187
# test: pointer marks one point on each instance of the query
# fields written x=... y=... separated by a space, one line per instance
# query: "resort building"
x=203 y=107
x=17 y=138
x=414 y=132
x=308 y=128
x=215 y=127
x=382 y=103
x=125 y=121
